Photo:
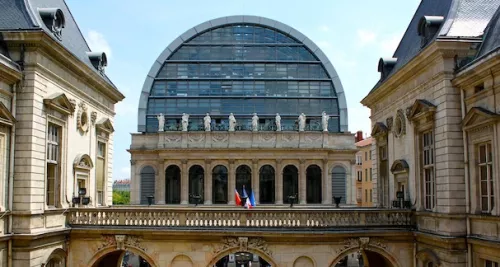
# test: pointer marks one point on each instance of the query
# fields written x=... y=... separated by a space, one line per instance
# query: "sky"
x=354 y=34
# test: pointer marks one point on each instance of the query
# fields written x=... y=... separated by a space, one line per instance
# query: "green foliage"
x=121 y=198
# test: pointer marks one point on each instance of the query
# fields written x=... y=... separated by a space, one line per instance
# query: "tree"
x=121 y=198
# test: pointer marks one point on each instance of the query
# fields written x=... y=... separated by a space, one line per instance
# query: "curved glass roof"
x=242 y=68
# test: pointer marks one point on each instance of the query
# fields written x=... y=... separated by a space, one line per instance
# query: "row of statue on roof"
x=207 y=121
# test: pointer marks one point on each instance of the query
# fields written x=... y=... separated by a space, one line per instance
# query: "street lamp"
x=291 y=199
x=150 y=200
x=196 y=198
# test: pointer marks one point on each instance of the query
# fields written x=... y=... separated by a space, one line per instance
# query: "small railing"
x=236 y=218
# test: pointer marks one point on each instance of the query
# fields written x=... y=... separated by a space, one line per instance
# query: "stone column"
x=135 y=196
x=278 y=180
x=255 y=180
x=302 y=181
x=208 y=182
x=231 y=183
x=327 y=183
x=160 y=190
x=184 y=183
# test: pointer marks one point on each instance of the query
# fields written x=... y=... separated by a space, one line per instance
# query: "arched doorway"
x=196 y=183
x=219 y=184
x=313 y=184
x=290 y=183
x=266 y=184
x=122 y=258
x=242 y=259
x=339 y=184
x=173 y=185
x=147 y=184
x=243 y=179
x=362 y=258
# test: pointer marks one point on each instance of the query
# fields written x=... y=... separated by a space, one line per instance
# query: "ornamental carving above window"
x=400 y=124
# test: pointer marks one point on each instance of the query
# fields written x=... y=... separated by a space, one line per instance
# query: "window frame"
x=427 y=168
x=100 y=196
x=59 y=162
x=489 y=164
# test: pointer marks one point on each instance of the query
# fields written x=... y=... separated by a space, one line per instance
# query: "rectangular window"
x=359 y=159
x=428 y=170
x=383 y=152
x=100 y=172
x=366 y=175
x=370 y=154
x=371 y=173
x=488 y=263
x=366 y=195
x=371 y=198
x=360 y=176
x=485 y=174
x=53 y=164
x=366 y=155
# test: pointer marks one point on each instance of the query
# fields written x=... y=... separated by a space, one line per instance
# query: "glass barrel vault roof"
x=243 y=67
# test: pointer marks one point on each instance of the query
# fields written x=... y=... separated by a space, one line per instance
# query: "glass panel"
x=219 y=183
x=173 y=185
x=313 y=184
x=196 y=182
x=290 y=184
x=266 y=184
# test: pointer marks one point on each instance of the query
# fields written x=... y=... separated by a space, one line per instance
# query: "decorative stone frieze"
x=242 y=244
x=121 y=242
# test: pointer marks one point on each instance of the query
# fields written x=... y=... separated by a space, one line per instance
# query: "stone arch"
x=181 y=260
x=147 y=164
x=285 y=163
x=99 y=255
x=58 y=255
x=83 y=161
x=427 y=255
x=337 y=164
x=314 y=184
x=258 y=252
x=304 y=261
x=386 y=255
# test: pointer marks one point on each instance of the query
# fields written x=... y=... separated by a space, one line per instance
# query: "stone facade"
x=362 y=175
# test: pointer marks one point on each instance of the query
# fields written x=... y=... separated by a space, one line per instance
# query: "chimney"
x=359 y=136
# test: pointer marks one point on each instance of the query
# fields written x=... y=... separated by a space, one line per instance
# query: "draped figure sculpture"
x=161 y=122
x=278 y=122
x=255 y=122
x=302 y=122
x=207 y=121
x=185 y=122
x=324 y=121
x=232 y=122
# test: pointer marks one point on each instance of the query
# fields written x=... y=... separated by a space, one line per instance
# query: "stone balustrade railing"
x=236 y=218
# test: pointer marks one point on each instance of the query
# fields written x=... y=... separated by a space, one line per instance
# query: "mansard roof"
x=24 y=15
x=462 y=19
x=491 y=40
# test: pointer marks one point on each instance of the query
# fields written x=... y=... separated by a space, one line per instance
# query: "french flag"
x=237 y=198
x=250 y=201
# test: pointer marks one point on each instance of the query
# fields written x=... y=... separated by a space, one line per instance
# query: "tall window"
x=488 y=263
x=360 y=176
x=290 y=183
x=359 y=159
x=366 y=175
x=366 y=155
x=196 y=184
x=428 y=170
x=173 y=185
x=244 y=179
x=219 y=185
x=371 y=173
x=100 y=171
x=313 y=184
x=485 y=171
x=53 y=164
x=366 y=195
x=266 y=184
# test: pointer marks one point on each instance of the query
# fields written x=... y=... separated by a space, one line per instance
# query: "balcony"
x=224 y=218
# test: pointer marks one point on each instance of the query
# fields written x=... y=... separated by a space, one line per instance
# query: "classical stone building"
x=53 y=95
x=434 y=115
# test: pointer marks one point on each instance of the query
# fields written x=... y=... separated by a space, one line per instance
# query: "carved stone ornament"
x=389 y=121
x=72 y=101
x=267 y=137
x=360 y=243
x=196 y=137
x=290 y=137
x=82 y=119
x=408 y=112
x=312 y=137
x=121 y=242
x=93 y=117
x=242 y=244
x=219 y=137
x=400 y=124
x=173 y=138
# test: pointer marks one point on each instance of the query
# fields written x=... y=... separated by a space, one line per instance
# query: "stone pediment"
x=5 y=116
x=105 y=125
x=420 y=108
x=379 y=129
x=400 y=166
x=478 y=116
x=83 y=162
x=60 y=103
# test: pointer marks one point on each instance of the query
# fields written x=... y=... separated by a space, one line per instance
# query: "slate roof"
x=491 y=40
x=23 y=15
x=462 y=19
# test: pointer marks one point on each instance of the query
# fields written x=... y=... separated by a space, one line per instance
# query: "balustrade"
x=238 y=218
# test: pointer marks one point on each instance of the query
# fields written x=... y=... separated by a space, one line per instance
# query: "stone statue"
x=278 y=122
x=161 y=122
x=302 y=122
x=185 y=122
x=324 y=121
x=232 y=122
x=255 y=122
x=207 y=121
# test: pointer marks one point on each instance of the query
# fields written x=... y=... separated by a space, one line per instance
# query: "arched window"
x=147 y=184
x=339 y=183
x=173 y=185
x=290 y=183
x=313 y=184
x=196 y=182
x=219 y=185
x=243 y=178
x=266 y=184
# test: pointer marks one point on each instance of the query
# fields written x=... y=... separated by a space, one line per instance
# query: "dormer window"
x=98 y=60
x=385 y=66
x=53 y=18
x=428 y=27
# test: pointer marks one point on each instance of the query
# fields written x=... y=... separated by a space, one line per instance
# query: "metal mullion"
x=243 y=44
x=244 y=79
x=179 y=61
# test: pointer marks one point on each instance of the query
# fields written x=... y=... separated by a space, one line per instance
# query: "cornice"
x=54 y=48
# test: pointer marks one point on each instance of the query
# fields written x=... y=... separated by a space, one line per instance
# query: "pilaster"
x=302 y=181
x=278 y=187
x=255 y=180
x=231 y=182
x=327 y=183
x=160 y=184
x=208 y=182
x=184 y=183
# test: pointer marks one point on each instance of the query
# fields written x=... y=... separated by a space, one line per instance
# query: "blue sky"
x=354 y=34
